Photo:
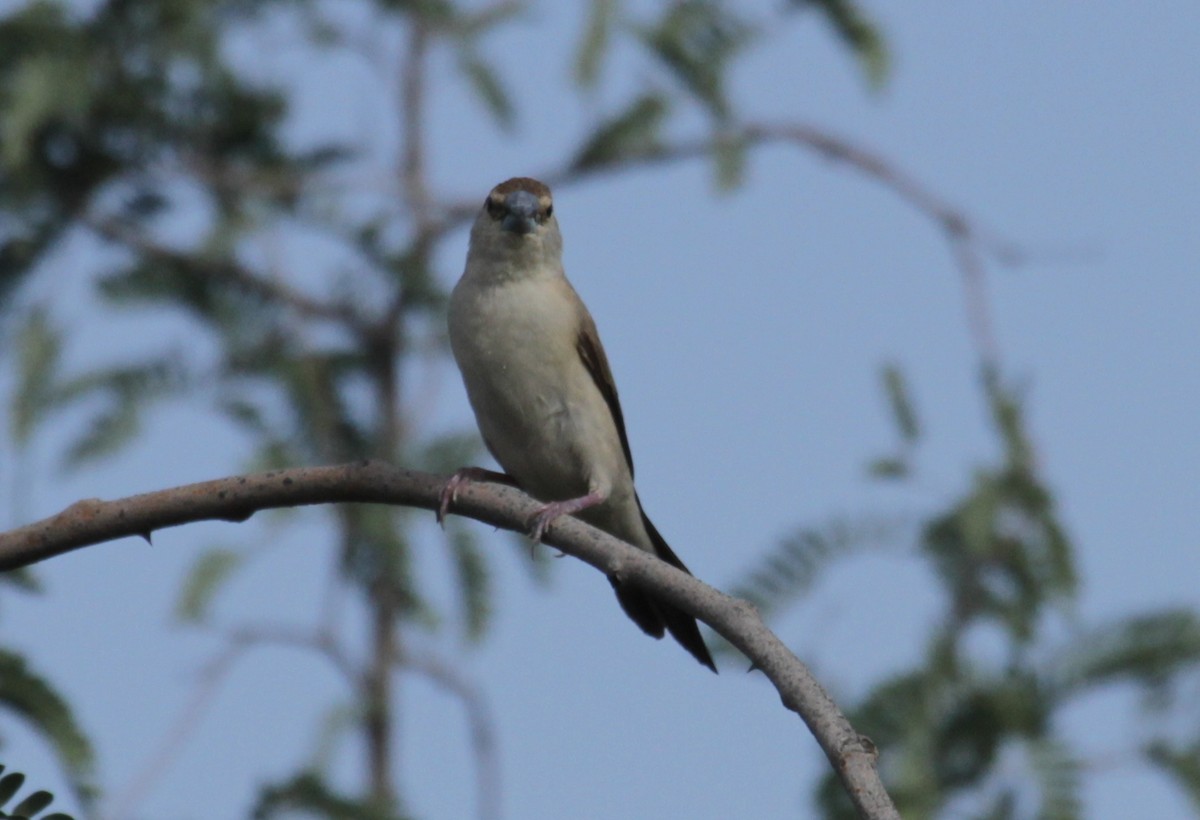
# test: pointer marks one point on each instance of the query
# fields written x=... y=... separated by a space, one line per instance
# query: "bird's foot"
x=546 y=516
x=465 y=476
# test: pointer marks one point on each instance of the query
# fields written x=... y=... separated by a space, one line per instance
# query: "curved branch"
x=237 y=498
x=172 y=744
x=968 y=241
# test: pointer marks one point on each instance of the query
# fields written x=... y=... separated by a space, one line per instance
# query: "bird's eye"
x=549 y=211
x=494 y=208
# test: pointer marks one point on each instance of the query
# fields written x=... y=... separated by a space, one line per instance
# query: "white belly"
x=540 y=412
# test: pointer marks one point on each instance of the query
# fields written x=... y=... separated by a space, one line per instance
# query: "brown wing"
x=592 y=354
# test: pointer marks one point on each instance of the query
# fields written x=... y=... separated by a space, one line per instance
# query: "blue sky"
x=746 y=333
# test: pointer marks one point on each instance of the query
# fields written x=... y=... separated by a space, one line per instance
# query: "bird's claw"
x=541 y=522
x=466 y=475
x=543 y=518
x=538 y=524
x=450 y=495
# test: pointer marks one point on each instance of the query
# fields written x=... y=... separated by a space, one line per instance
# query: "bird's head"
x=516 y=226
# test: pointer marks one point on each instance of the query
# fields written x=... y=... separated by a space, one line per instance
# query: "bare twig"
x=271 y=290
x=317 y=640
x=479 y=719
x=968 y=241
x=412 y=110
x=238 y=497
x=237 y=642
x=176 y=737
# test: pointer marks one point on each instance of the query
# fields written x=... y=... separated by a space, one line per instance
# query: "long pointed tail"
x=654 y=615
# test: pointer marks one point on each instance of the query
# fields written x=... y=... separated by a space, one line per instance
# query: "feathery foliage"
x=307 y=309
x=951 y=728
x=299 y=268
x=31 y=805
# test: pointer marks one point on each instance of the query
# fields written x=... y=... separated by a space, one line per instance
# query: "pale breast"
x=533 y=399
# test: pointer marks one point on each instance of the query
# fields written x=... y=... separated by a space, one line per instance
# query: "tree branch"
x=412 y=110
x=177 y=736
x=237 y=643
x=237 y=498
x=479 y=721
x=968 y=241
x=228 y=270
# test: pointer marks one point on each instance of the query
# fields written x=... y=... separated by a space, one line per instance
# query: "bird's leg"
x=544 y=517
x=464 y=476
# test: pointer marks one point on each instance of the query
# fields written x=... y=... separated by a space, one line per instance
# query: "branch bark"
x=236 y=498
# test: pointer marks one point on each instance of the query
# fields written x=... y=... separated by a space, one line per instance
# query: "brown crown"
x=529 y=184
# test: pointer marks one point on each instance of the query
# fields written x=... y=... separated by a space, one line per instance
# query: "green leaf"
x=274 y=454
x=729 y=159
x=32 y=804
x=1181 y=764
x=31 y=697
x=900 y=403
x=108 y=431
x=376 y=552
x=126 y=391
x=1146 y=649
x=45 y=87
x=10 y=784
x=1002 y=807
x=21 y=247
x=209 y=572
x=474 y=580
x=245 y=413
x=789 y=569
x=39 y=354
x=22 y=578
x=471 y=25
x=1001 y=553
x=325 y=418
x=633 y=132
x=1009 y=417
x=859 y=33
x=889 y=468
x=309 y=794
x=488 y=88
x=593 y=45
x=338 y=721
x=1057 y=771
x=695 y=40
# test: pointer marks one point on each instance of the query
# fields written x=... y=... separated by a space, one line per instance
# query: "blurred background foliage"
x=29 y=807
x=141 y=129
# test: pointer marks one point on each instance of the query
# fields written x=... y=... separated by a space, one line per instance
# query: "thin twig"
x=967 y=240
x=269 y=289
x=479 y=719
x=412 y=111
x=238 y=641
x=317 y=640
x=175 y=739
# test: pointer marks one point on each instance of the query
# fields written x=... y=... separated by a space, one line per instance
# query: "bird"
x=543 y=395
